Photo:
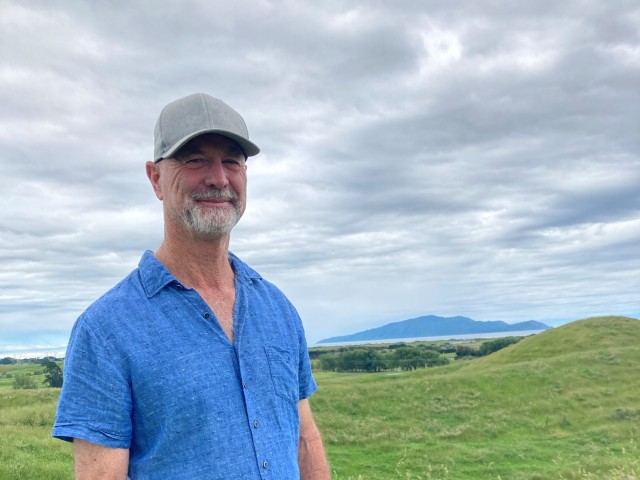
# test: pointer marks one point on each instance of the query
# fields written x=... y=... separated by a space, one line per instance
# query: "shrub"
x=359 y=360
x=498 y=344
x=24 y=382
x=410 y=358
x=327 y=362
x=465 y=351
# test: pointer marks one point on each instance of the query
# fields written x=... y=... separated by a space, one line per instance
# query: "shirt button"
x=265 y=464
x=206 y=315
x=256 y=424
x=244 y=385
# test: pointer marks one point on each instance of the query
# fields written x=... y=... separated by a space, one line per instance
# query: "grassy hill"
x=591 y=334
x=559 y=405
x=563 y=404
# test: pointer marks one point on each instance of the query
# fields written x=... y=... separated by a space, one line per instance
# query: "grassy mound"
x=576 y=338
x=560 y=405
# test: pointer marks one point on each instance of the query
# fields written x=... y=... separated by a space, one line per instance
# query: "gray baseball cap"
x=194 y=115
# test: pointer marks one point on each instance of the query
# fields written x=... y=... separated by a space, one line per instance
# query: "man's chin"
x=212 y=229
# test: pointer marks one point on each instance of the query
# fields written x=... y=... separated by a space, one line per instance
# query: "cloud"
x=416 y=158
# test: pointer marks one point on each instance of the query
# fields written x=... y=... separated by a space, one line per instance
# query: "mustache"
x=215 y=194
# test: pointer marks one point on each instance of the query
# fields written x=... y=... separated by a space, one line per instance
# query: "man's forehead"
x=201 y=142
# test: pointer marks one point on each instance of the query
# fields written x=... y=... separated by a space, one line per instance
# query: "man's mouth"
x=214 y=198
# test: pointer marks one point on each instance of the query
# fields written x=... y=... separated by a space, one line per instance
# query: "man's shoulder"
x=128 y=289
x=121 y=297
x=125 y=290
x=142 y=282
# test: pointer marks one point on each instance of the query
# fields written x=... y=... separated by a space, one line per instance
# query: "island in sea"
x=434 y=326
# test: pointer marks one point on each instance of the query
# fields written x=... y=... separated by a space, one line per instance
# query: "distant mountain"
x=433 y=326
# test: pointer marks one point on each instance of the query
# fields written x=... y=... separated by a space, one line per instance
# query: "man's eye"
x=195 y=162
x=231 y=163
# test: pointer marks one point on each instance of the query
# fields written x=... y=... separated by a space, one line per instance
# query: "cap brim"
x=249 y=148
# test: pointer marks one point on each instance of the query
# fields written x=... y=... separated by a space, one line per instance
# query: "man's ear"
x=153 y=174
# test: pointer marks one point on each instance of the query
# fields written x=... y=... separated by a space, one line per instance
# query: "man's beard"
x=212 y=222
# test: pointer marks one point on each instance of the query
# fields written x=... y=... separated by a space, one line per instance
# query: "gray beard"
x=213 y=223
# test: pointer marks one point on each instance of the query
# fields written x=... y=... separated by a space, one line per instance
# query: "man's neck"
x=197 y=264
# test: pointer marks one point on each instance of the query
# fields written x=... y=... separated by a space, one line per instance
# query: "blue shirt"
x=148 y=368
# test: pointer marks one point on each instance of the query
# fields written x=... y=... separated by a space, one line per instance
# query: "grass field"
x=563 y=404
x=27 y=451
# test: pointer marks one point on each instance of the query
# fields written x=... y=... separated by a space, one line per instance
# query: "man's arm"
x=97 y=462
x=311 y=458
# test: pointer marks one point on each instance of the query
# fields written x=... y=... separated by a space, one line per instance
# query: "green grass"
x=559 y=405
x=563 y=405
x=27 y=451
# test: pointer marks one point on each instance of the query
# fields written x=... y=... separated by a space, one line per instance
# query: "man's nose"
x=215 y=174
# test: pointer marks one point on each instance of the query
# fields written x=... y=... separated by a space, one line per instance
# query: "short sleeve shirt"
x=148 y=368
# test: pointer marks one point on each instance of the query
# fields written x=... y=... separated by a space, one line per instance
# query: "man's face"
x=203 y=186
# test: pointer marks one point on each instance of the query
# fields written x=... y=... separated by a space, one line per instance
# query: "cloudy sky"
x=477 y=158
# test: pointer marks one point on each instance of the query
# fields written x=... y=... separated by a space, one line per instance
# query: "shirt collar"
x=154 y=276
x=243 y=272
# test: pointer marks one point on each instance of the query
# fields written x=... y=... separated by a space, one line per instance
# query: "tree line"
x=400 y=356
x=369 y=358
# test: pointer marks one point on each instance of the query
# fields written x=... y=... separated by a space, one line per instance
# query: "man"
x=194 y=366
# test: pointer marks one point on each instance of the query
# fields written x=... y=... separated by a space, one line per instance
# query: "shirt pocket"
x=283 y=365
